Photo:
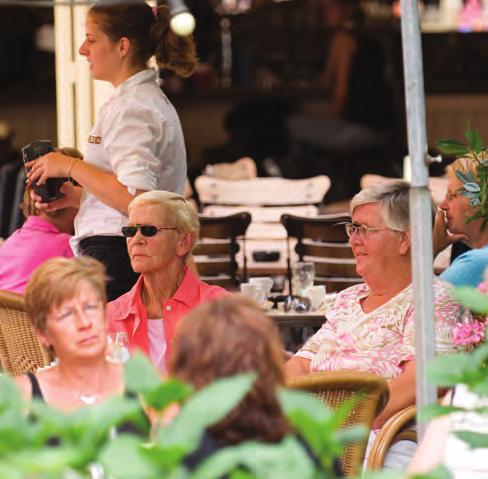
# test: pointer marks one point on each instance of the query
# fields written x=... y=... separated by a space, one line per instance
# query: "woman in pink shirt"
x=161 y=232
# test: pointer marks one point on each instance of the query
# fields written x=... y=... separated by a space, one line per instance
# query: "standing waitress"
x=137 y=142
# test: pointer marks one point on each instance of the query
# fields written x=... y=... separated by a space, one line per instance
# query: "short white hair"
x=393 y=199
x=178 y=211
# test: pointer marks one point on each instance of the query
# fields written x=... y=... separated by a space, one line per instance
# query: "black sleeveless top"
x=125 y=427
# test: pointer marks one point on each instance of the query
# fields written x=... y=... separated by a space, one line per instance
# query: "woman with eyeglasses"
x=460 y=218
x=65 y=301
x=161 y=232
x=137 y=142
x=370 y=326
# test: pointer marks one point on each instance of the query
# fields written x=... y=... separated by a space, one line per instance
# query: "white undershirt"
x=157 y=343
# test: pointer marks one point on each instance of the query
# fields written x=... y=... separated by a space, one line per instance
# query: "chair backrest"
x=20 y=349
x=17 y=216
x=262 y=191
x=8 y=175
x=216 y=252
x=323 y=241
x=334 y=388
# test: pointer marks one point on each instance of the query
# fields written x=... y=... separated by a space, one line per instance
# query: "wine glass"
x=118 y=347
x=303 y=275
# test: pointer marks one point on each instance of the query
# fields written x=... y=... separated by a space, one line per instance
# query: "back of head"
x=56 y=281
x=393 y=199
x=148 y=31
x=28 y=207
x=225 y=337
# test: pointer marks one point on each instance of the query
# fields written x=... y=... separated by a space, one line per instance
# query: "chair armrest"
x=394 y=430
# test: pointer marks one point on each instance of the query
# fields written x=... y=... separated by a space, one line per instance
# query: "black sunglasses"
x=146 y=230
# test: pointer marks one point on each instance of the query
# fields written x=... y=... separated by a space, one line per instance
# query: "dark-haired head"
x=148 y=32
x=225 y=337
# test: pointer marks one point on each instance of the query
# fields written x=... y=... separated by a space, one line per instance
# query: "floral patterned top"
x=382 y=340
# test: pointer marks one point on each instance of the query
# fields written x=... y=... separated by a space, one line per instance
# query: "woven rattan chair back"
x=336 y=387
x=20 y=349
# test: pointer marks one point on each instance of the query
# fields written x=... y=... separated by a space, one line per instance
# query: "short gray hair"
x=392 y=197
x=179 y=212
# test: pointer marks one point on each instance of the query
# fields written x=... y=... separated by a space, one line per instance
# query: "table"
x=300 y=320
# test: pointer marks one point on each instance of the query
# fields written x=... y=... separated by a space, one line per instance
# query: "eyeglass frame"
x=362 y=230
x=138 y=227
x=450 y=196
x=89 y=309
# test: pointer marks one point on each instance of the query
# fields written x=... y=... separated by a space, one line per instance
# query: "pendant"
x=88 y=400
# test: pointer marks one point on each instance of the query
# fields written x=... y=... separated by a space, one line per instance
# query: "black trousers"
x=112 y=252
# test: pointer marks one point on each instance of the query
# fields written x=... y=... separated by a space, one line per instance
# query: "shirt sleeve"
x=132 y=139
x=466 y=270
x=312 y=346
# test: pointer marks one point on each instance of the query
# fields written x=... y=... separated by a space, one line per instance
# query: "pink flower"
x=483 y=287
x=468 y=334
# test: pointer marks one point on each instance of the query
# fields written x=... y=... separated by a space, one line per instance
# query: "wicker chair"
x=20 y=349
x=335 y=387
x=397 y=428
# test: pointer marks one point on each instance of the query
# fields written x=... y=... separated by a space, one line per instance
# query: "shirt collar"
x=143 y=76
x=37 y=223
x=188 y=292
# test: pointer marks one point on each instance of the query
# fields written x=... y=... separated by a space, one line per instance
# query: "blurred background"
x=263 y=87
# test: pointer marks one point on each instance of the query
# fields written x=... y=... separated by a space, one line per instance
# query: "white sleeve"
x=132 y=140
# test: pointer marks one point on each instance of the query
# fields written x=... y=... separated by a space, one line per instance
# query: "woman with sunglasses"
x=370 y=326
x=161 y=232
x=137 y=141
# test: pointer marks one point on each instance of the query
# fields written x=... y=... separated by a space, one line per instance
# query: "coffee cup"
x=317 y=296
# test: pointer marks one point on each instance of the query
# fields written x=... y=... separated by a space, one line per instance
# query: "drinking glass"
x=303 y=275
x=118 y=347
x=255 y=292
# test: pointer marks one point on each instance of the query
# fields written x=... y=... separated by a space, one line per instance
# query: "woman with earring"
x=136 y=143
x=72 y=321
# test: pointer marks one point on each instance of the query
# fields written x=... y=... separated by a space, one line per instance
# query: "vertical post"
x=420 y=209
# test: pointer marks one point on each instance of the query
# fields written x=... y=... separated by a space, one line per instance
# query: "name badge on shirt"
x=95 y=139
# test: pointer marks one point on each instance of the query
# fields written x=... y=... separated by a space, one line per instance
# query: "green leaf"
x=124 y=458
x=166 y=393
x=292 y=401
x=475 y=143
x=206 y=407
x=285 y=460
x=473 y=299
x=474 y=440
x=352 y=434
x=440 y=472
x=467 y=177
x=435 y=410
x=140 y=375
x=448 y=370
x=451 y=147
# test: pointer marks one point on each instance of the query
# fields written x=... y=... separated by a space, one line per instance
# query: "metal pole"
x=420 y=209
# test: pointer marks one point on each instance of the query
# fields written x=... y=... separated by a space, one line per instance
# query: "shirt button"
x=168 y=308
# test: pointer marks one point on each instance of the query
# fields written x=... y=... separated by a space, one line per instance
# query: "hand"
x=52 y=165
x=441 y=236
x=71 y=198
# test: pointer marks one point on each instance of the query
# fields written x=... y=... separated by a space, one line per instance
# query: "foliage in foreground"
x=86 y=438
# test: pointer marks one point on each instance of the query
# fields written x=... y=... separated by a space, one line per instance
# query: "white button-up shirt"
x=138 y=137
